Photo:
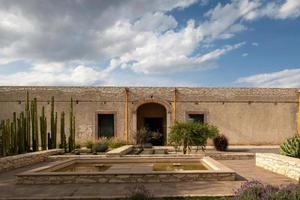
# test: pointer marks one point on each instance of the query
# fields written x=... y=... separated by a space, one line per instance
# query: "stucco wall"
x=245 y=115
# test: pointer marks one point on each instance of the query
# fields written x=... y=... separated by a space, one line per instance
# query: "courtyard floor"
x=245 y=169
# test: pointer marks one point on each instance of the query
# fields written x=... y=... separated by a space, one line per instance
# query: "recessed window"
x=196 y=117
x=106 y=125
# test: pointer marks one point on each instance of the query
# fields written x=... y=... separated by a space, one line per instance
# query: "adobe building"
x=247 y=116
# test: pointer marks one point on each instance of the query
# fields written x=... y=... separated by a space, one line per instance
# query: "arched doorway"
x=153 y=117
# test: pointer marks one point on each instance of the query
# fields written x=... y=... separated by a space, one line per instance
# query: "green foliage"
x=43 y=129
x=190 y=133
x=34 y=125
x=141 y=136
x=89 y=144
x=63 y=142
x=291 y=147
x=53 y=125
x=71 y=128
x=111 y=142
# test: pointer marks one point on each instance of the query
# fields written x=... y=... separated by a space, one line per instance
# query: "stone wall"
x=21 y=160
x=257 y=116
x=280 y=164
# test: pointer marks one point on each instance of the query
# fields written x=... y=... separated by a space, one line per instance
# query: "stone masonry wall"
x=280 y=164
x=256 y=116
x=21 y=160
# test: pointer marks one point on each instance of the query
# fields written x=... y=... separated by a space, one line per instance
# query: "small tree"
x=190 y=133
x=141 y=136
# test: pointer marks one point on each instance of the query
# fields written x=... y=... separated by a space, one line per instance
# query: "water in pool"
x=178 y=166
x=88 y=167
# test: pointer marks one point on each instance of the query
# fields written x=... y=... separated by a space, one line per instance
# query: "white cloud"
x=139 y=36
x=53 y=74
x=245 y=54
x=157 y=22
x=254 y=44
x=288 y=9
x=285 y=78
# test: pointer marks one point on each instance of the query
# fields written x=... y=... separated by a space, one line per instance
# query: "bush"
x=77 y=146
x=99 y=147
x=89 y=144
x=221 y=143
x=139 y=192
x=254 y=190
x=291 y=147
x=190 y=133
x=141 y=136
x=115 y=143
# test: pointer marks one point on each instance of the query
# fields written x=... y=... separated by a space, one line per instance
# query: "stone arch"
x=161 y=102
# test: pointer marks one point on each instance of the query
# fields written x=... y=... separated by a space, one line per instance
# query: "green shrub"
x=115 y=143
x=190 y=133
x=111 y=142
x=77 y=146
x=221 y=143
x=291 y=147
x=89 y=144
x=99 y=147
x=141 y=136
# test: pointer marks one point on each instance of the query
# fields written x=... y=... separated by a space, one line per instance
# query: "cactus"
x=21 y=131
x=2 y=137
x=27 y=123
x=291 y=147
x=63 y=144
x=14 y=139
x=72 y=128
x=49 y=141
x=53 y=125
x=43 y=129
x=7 y=138
x=34 y=121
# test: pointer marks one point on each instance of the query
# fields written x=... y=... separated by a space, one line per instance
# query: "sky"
x=197 y=43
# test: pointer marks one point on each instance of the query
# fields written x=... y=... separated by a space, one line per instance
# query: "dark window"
x=197 y=117
x=105 y=125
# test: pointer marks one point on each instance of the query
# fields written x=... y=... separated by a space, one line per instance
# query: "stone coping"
x=285 y=165
x=46 y=174
x=120 y=151
x=21 y=160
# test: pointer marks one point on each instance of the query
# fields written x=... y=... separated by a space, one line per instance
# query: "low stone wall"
x=142 y=173
x=124 y=178
x=21 y=160
x=123 y=150
x=280 y=164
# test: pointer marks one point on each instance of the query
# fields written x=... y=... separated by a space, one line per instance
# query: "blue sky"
x=232 y=43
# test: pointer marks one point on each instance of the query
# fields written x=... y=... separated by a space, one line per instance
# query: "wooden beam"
x=126 y=114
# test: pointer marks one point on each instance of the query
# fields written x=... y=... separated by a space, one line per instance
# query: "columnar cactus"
x=63 y=142
x=21 y=131
x=27 y=123
x=53 y=124
x=34 y=121
x=43 y=129
x=72 y=128
x=14 y=140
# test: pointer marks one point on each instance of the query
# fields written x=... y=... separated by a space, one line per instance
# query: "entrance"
x=152 y=116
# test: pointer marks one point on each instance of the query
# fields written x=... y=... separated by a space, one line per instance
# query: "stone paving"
x=245 y=169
